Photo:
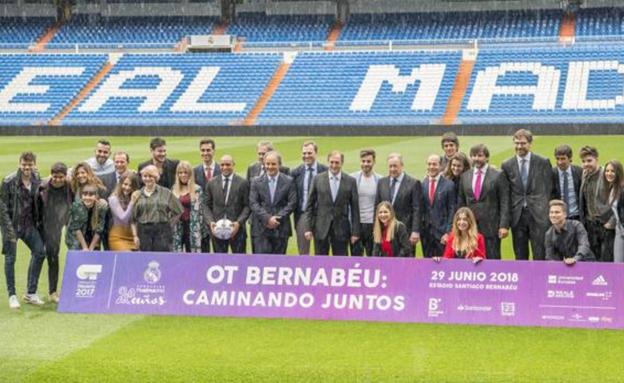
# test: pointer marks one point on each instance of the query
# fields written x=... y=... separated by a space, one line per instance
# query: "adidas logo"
x=599 y=281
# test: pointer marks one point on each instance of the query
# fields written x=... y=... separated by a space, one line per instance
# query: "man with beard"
x=166 y=167
x=367 y=181
x=101 y=163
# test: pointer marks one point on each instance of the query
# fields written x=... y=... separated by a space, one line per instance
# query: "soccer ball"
x=223 y=230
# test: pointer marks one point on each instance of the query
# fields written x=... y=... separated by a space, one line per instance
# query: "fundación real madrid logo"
x=152 y=273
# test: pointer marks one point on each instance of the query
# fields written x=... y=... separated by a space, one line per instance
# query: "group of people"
x=462 y=208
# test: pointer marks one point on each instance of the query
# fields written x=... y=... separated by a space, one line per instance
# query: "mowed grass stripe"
x=36 y=335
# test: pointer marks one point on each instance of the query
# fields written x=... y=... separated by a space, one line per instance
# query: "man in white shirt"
x=101 y=163
x=367 y=191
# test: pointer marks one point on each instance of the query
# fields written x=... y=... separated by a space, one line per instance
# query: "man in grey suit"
x=227 y=196
x=272 y=198
x=203 y=173
x=332 y=212
x=257 y=168
x=439 y=201
x=567 y=180
x=484 y=190
x=303 y=176
x=121 y=161
x=529 y=177
x=405 y=195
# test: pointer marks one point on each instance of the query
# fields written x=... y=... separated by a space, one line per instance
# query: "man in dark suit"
x=530 y=182
x=302 y=176
x=405 y=195
x=484 y=190
x=121 y=160
x=203 y=173
x=257 y=168
x=439 y=200
x=166 y=167
x=567 y=182
x=272 y=199
x=227 y=196
x=332 y=212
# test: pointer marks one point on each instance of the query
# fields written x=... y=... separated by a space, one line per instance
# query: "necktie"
x=272 y=185
x=261 y=171
x=226 y=184
x=566 y=190
x=524 y=173
x=432 y=182
x=477 y=187
x=393 y=189
x=310 y=175
x=334 y=188
x=208 y=173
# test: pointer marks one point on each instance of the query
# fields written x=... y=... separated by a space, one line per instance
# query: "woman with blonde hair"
x=390 y=238
x=82 y=174
x=465 y=241
x=187 y=233
x=121 y=203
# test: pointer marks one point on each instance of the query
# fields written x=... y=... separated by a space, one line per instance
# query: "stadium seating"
x=593 y=22
x=257 y=27
x=155 y=32
x=19 y=33
x=453 y=26
x=26 y=99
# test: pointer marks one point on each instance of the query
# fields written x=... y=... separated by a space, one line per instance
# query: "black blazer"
x=200 y=177
x=254 y=170
x=492 y=208
x=437 y=219
x=284 y=203
x=408 y=202
x=343 y=216
x=539 y=189
x=298 y=175
x=577 y=178
x=237 y=206
x=168 y=176
x=401 y=246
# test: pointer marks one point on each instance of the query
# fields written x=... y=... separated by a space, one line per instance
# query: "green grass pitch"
x=40 y=345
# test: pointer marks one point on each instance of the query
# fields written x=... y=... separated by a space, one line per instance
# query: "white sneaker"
x=14 y=302
x=33 y=299
x=54 y=297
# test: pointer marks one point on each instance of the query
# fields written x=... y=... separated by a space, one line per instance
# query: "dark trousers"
x=365 y=243
x=528 y=230
x=431 y=245
x=492 y=247
x=186 y=236
x=52 y=249
x=600 y=240
x=238 y=244
x=338 y=246
x=205 y=244
x=269 y=245
x=155 y=236
x=33 y=241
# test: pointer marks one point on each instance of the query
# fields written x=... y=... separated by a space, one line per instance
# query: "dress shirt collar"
x=483 y=170
x=527 y=157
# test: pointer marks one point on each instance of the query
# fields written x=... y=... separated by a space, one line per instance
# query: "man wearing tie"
x=257 y=168
x=203 y=173
x=272 y=198
x=529 y=177
x=110 y=180
x=405 y=195
x=227 y=196
x=567 y=182
x=484 y=191
x=332 y=212
x=438 y=208
x=302 y=176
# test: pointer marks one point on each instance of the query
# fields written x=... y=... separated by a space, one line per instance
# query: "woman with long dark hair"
x=614 y=179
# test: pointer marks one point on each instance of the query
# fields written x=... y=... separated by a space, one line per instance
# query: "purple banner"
x=346 y=288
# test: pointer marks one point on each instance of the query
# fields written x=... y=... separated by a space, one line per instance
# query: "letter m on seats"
x=429 y=75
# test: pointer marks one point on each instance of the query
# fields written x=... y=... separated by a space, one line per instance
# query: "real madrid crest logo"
x=152 y=273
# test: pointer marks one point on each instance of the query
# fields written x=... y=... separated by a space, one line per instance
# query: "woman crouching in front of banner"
x=390 y=238
x=187 y=232
x=464 y=240
x=121 y=204
x=87 y=219
x=154 y=214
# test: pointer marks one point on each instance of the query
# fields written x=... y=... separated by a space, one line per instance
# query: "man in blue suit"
x=203 y=173
x=439 y=201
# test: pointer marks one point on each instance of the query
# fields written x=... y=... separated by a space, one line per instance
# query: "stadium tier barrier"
x=517 y=293
x=549 y=85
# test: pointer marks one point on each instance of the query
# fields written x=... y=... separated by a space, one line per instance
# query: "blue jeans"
x=33 y=240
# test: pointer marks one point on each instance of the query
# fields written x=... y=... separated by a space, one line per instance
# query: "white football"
x=223 y=230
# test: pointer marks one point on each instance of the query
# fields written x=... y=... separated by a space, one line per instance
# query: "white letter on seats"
x=189 y=101
x=430 y=76
x=578 y=81
x=544 y=93
x=153 y=98
x=21 y=85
